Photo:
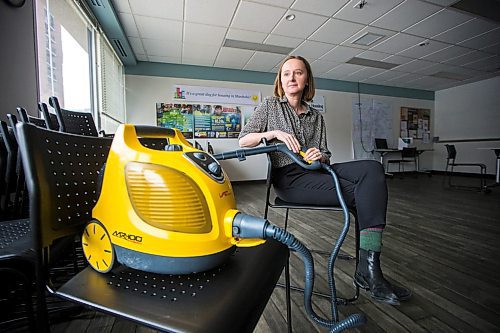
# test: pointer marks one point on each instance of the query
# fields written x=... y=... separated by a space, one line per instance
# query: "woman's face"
x=293 y=77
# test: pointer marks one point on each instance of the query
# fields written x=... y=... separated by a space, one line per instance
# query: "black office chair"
x=451 y=163
x=81 y=123
x=408 y=155
x=50 y=118
x=11 y=171
x=62 y=172
x=26 y=118
x=275 y=202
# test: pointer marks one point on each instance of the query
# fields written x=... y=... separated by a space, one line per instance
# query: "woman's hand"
x=313 y=154
x=291 y=141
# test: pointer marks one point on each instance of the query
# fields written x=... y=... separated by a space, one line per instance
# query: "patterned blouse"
x=275 y=113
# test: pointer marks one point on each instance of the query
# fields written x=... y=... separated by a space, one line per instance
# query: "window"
x=77 y=65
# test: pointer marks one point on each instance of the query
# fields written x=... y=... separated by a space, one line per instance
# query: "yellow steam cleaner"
x=174 y=212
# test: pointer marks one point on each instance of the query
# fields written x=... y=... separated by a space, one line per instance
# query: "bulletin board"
x=415 y=123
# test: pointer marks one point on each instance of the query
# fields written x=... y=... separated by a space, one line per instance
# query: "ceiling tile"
x=370 y=12
x=495 y=48
x=446 y=53
x=419 y=51
x=171 y=60
x=406 y=77
x=438 y=23
x=256 y=17
x=468 y=58
x=246 y=36
x=341 y=54
x=278 y=3
x=397 y=43
x=141 y=57
x=320 y=67
x=444 y=3
x=203 y=34
x=302 y=26
x=488 y=38
x=396 y=59
x=199 y=51
x=313 y=50
x=206 y=61
x=406 y=14
x=213 y=12
x=320 y=7
x=490 y=64
x=262 y=61
x=363 y=73
x=343 y=70
x=233 y=58
x=343 y=30
x=168 y=9
x=148 y=28
x=283 y=41
x=121 y=6
x=372 y=55
x=465 y=31
x=414 y=66
x=136 y=44
x=155 y=47
x=128 y=23
x=388 y=75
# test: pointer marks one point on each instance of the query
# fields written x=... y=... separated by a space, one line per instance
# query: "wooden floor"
x=440 y=243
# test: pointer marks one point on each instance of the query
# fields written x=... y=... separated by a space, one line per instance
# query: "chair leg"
x=288 y=296
x=287 y=285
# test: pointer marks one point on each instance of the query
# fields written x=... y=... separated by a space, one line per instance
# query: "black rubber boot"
x=369 y=277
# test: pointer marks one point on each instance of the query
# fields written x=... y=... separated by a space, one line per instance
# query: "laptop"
x=381 y=143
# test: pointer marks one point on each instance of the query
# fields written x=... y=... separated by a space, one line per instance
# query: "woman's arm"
x=254 y=139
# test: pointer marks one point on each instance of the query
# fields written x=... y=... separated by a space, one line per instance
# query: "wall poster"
x=200 y=120
x=415 y=123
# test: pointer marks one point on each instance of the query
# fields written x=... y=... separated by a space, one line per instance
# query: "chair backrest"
x=381 y=143
x=62 y=172
x=26 y=118
x=81 y=123
x=50 y=118
x=452 y=152
x=409 y=152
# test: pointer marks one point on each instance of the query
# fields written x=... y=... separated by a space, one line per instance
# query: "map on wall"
x=370 y=119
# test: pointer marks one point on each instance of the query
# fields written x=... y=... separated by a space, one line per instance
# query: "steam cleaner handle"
x=241 y=154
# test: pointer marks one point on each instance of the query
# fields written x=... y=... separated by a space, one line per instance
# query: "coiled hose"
x=281 y=235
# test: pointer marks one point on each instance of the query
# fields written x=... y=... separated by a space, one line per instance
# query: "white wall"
x=471 y=111
x=143 y=92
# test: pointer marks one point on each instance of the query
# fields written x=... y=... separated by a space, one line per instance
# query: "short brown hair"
x=309 y=90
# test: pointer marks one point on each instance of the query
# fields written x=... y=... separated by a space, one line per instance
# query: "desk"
x=496 y=150
x=384 y=152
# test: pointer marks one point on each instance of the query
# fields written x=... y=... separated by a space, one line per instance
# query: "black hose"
x=283 y=236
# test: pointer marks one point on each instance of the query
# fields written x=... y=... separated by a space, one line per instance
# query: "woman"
x=286 y=117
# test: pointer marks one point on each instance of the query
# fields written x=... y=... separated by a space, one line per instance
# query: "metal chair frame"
x=451 y=163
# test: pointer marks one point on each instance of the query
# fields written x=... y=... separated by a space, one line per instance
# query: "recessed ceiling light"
x=290 y=17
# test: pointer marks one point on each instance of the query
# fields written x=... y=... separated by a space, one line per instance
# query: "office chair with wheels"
x=451 y=163
x=62 y=173
x=408 y=155
x=277 y=203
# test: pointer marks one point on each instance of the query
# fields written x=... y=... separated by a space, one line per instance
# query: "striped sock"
x=371 y=239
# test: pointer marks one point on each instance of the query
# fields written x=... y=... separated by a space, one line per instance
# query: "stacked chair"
x=62 y=196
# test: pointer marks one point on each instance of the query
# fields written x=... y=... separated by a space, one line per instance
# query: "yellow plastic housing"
x=161 y=203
